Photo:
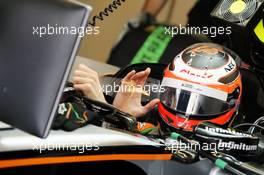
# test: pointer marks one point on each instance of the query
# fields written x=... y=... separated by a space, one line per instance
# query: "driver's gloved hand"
x=71 y=116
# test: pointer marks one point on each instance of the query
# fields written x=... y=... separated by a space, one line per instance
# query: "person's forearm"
x=153 y=6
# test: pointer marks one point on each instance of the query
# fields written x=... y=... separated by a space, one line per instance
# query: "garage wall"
x=98 y=46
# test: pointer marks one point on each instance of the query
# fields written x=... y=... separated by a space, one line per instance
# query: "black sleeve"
x=72 y=115
x=151 y=117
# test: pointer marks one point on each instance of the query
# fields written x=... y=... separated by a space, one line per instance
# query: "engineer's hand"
x=128 y=99
x=87 y=81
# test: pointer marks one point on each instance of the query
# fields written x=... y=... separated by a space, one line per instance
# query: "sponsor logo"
x=237 y=146
x=226 y=131
x=62 y=109
x=205 y=75
x=230 y=67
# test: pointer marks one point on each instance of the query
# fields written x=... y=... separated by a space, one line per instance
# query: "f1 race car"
x=108 y=141
x=114 y=138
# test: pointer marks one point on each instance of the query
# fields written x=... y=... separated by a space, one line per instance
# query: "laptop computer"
x=38 y=45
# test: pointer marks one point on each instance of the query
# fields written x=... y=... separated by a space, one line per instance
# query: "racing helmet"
x=203 y=83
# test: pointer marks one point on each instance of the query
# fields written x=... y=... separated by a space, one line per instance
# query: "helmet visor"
x=192 y=99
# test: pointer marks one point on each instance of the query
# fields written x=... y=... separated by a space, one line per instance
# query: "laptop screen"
x=37 y=48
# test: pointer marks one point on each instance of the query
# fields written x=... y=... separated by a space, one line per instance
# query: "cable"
x=111 y=8
x=251 y=129
x=248 y=124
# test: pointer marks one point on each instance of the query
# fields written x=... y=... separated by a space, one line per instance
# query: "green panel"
x=153 y=48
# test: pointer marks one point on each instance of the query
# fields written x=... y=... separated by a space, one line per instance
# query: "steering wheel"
x=111 y=114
